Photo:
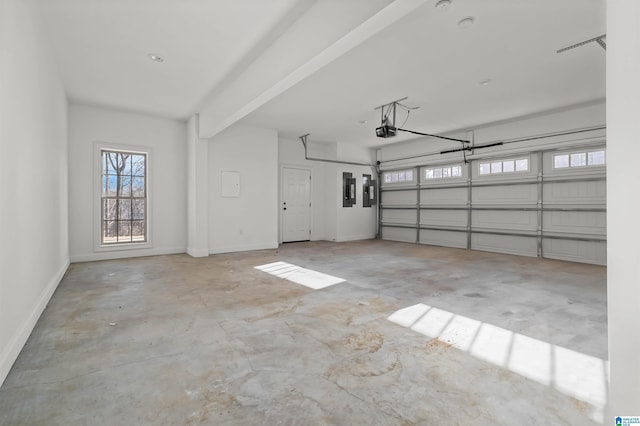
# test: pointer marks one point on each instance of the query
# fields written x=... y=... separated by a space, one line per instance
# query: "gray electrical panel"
x=366 y=199
x=368 y=191
x=373 y=187
x=348 y=190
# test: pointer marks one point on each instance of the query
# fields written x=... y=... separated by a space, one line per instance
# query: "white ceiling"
x=102 y=45
x=102 y=49
x=438 y=66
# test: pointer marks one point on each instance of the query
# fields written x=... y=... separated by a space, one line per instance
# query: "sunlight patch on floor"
x=306 y=277
x=575 y=374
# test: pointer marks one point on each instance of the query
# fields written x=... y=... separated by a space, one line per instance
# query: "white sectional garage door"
x=546 y=203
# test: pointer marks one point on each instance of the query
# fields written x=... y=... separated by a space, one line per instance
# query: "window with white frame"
x=504 y=166
x=444 y=172
x=579 y=159
x=399 y=176
x=123 y=197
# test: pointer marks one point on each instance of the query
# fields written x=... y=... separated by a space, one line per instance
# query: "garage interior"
x=319 y=212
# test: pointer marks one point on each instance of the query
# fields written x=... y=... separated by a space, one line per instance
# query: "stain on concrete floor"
x=214 y=341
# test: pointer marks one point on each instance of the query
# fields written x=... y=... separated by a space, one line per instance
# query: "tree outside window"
x=124 y=197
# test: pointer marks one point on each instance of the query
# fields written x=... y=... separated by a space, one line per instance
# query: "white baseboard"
x=109 y=255
x=243 y=247
x=18 y=340
x=198 y=252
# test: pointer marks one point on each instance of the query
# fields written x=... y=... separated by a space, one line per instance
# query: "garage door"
x=547 y=203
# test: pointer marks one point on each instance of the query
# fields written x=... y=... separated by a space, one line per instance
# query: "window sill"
x=123 y=246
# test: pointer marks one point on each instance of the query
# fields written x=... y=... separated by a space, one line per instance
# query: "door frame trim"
x=281 y=191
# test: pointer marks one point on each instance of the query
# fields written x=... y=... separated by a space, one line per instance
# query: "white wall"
x=33 y=206
x=167 y=181
x=357 y=222
x=329 y=220
x=623 y=205
x=250 y=221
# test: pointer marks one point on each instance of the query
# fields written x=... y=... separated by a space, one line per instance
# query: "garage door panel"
x=443 y=217
x=511 y=220
x=443 y=238
x=575 y=251
x=444 y=196
x=505 y=195
x=399 y=197
x=406 y=235
x=523 y=246
x=575 y=193
x=399 y=216
x=593 y=223
x=555 y=209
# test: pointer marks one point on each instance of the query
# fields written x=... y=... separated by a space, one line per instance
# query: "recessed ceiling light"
x=156 y=58
x=485 y=82
x=362 y=121
x=443 y=5
x=465 y=23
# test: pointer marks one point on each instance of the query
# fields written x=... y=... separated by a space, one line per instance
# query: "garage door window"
x=504 y=166
x=399 y=176
x=446 y=172
x=579 y=159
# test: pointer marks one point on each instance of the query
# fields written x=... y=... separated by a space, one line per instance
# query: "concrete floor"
x=215 y=341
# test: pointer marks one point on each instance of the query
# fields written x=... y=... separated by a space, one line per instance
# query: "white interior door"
x=296 y=204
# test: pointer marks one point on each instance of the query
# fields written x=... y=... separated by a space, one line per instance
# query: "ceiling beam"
x=308 y=46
